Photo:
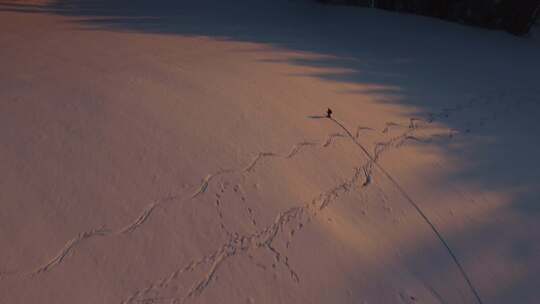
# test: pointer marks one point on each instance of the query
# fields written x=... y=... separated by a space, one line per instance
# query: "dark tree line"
x=515 y=16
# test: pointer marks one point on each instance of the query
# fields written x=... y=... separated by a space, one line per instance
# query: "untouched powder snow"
x=177 y=152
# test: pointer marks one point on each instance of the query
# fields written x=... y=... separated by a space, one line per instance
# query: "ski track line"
x=322 y=202
x=367 y=169
x=418 y=209
x=296 y=148
x=70 y=245
x=146 y=213
x=264 y=238
x=141 y=219
x=330 y=139
x=206 y=181
x=260 y=156
x=360 y=129
x=390 y=125
x=151 y=207
x=102 y=232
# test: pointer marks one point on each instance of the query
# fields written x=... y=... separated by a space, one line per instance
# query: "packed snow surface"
x=178 y=152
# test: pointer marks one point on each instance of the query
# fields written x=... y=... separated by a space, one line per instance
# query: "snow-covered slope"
x=177 y=152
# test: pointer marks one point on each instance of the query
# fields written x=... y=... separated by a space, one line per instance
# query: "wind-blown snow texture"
x=177 y=152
